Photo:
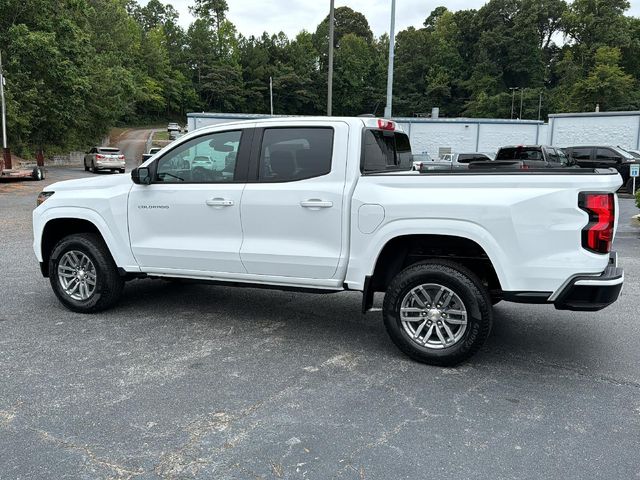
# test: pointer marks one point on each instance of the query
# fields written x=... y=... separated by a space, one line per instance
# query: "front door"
x=292 y=208
x=188 y=219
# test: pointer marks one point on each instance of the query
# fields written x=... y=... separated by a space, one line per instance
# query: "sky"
x=252 y=17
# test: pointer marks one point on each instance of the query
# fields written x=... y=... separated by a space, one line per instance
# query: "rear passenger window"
x=383 y=151
x=290 y=154
x=605 y=154
x=581 y=153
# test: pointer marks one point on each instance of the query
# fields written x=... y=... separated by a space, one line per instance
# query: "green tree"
x=606 y=85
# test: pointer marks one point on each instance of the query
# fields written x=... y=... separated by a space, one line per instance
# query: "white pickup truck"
x=331 y=204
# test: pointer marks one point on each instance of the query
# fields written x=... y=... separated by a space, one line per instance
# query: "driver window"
x=206 y=159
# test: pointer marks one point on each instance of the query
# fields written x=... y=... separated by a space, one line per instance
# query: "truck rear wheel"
x=83 y=275
x=437 y=312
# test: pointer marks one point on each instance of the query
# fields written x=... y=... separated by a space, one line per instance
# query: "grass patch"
x=161 y=136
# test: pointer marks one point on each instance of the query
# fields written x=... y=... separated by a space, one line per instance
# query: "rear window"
x=581 y=153
x=109 y=150
x=384 y=151
x=472 y=157
x=519 y=153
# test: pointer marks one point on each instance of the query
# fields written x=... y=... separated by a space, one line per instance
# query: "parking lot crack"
x=122 y=473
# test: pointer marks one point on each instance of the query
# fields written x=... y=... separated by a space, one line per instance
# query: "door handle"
x=314 y=203
x=219 y=202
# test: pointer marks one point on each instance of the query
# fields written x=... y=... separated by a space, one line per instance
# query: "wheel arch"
x=57 y=225
x=401 y=251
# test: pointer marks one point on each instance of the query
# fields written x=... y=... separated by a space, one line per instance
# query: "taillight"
x=99 y=157
x=121 y=157
x=524 y=167
x=598 y=233
x=386 y=125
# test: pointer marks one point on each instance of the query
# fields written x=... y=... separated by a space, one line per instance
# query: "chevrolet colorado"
x=332 y=204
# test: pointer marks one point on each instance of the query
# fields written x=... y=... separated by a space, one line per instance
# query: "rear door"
x=583 y=156
x=292 y=207
x=607 y=158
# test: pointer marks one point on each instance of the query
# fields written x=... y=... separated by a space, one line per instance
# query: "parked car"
x=454 y=161
x=524 y=157
x=419 y=160
x=104 y=158
x=605 y=157
x=173 y=127
x=331 y=204
x=634 y=153
x=152 y=151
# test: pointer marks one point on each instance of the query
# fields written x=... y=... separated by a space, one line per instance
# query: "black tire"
x=86 y=169
x=93 y=167
x=466 y=285
x=37 y=173
x=109 y=284
x=121 y=170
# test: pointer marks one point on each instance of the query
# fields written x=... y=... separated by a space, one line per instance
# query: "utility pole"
x=330 y=79
x=540 y=105
x=392 y=37
x=271 y=94
x=521 y=93
x=6 y=155
x=513 y=99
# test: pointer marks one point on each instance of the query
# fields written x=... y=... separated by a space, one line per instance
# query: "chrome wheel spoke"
x=433 y=316
x=456 y=321
x=418 y=300
x=419 y=329
x=411 y=310
x=427 y=335
x=440 y=336
x=450 y=336
x=425 y=294
x=77 y=275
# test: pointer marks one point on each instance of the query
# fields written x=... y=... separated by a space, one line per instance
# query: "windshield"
x=623 y=153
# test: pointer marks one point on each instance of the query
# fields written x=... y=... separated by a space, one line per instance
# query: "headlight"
x=42 y=197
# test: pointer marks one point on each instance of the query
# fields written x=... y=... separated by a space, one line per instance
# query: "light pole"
x=540 y=105
x=513 y=99
x=392 y=28
x=271 y=94
x=6 y=155
x=521 y=93
x=330 y=79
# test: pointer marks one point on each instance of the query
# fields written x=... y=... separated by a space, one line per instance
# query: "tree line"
x=75 y=68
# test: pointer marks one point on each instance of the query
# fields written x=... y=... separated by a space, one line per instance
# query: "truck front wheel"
x=83 y=274
x=437 y=312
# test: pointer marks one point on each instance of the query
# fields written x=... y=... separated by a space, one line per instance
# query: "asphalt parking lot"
x=190 y=381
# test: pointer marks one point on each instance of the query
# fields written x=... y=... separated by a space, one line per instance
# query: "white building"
x=595 y=128
x=437 y=136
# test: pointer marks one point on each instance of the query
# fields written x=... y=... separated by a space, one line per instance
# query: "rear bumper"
x=591 y=293
x=108 y=164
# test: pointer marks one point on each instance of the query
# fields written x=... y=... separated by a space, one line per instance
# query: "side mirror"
x=141 y=176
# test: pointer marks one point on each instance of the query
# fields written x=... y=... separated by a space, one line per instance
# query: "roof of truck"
x=370 y=122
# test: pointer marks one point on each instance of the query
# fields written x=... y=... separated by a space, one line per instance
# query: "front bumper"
x=591 y=293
